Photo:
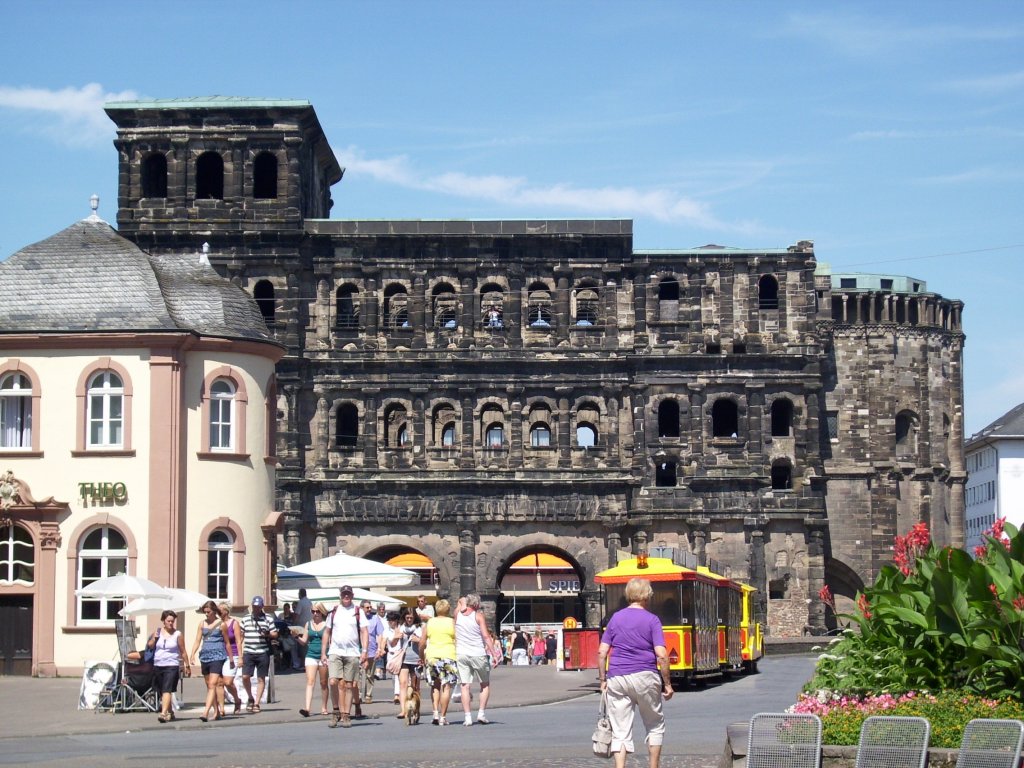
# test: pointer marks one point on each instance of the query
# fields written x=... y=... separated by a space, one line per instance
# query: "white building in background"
x=137 y=434
x=994 y=458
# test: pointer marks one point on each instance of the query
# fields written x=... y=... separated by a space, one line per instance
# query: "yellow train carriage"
x=750 y=631
x=730 y=614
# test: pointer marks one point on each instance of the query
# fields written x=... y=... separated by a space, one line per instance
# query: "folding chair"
x=132 y=690
x=991 y=744
x=893 y=742
x=784 y=741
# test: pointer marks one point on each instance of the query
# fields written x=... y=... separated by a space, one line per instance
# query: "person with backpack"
x=344 y=650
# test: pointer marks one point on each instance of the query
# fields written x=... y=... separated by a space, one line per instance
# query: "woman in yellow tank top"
x=438 y=655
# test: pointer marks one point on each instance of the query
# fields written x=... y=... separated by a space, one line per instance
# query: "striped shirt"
x=257 y=633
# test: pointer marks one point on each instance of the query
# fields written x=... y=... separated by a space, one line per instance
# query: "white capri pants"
x=626 y=693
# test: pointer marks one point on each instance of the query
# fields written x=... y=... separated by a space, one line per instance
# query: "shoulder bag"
x=602 y=738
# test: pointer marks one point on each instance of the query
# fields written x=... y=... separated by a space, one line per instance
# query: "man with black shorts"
x=258 y=630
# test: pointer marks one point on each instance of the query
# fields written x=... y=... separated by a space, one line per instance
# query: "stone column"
x=640 y=312
x=467 y=562
x=291 y=543
x=639 y=542
x=467 y=304
x=323 y=433
x=700 y=540
x=467 y=459
x=419 y=434
x=323 y=313
x=815 y=574
x=592 y=607
x=514 y=313
x=515 y=433
x=320 y=545
x=561 y=306
x=758 y=576
x=417 y=315
x=610 y=314
x=370 y=460
x=564 y=425
x=614 y=545
x=370 y=310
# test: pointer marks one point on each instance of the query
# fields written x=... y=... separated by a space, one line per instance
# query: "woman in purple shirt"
x=637 y=674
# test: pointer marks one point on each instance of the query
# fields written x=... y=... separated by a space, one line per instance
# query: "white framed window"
x=17 y=556
x=16 y=411
x=105 y=414
x=222 y=415
x=102 y=552
x=219 y=578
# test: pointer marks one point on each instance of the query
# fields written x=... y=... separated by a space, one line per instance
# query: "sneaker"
x=335 y=719
x=444 y=721
x=468 y=721
x=436 y=720
x=346 y=721
x=482 y=719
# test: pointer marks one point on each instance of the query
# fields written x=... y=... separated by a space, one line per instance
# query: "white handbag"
x=602 y=738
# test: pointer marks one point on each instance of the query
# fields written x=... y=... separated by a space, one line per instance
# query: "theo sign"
x=563 y=585
x=103 y=491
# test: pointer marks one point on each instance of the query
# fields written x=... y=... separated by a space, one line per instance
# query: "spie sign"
x=557 y=586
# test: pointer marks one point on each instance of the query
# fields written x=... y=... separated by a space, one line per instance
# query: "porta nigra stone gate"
x=475 y=391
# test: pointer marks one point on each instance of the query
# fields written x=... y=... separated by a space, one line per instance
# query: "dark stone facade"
x=477 y=390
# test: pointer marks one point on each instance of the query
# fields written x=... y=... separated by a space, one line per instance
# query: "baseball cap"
x=258 y=601
x=347 y=590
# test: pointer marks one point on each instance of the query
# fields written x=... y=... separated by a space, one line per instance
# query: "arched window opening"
x=492 y=306
x=539 y=307
x=346 y=425
x=725 y=419
x=222 y=415
x=220 y=547
x=263 y=292
x=586 y=435
x=540 y=435
x=443 y=425
x=210 y=176
x=396 y=427
x=446 y=308
x=782 y=476
x=17 y=556
x=105 y=411
x=906 y=434
x=346 y=310
x=16 y=411
x=767 y=292
x=495 y=435
x=668 y=418
x=102 y=552
x=264 y=176
x=585 y=306
x=782 y=418
x=154 y=175
x=448 y=435
x=396 y=307
x=665 y=474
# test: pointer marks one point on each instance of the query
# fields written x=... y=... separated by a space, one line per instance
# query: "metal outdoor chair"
x=780 y=740
x=893 y=742
x=132 y=690
x=991 y=744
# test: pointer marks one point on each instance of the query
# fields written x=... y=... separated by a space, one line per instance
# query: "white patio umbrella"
x=330 y=596
x=176 y=600
x=340 y=569
x=122 y=586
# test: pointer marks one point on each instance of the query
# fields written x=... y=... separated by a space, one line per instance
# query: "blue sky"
x=891 y=134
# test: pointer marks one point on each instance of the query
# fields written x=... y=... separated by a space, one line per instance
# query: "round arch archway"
x=539 y=586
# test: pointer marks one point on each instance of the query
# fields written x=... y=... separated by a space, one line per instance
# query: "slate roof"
x=88 y=278
x=1010 y=424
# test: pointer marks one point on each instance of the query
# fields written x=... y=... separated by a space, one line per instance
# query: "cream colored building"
x=137 y=417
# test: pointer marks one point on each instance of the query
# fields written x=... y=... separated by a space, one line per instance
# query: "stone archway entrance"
x=539 y=587
x=415 y=561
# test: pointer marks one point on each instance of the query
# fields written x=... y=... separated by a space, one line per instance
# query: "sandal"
x=304 y=712
x=238 y=707
x=163 y=718
x=250 y=707
x=256 y=709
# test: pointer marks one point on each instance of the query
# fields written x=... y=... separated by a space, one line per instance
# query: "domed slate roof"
x=89 y=278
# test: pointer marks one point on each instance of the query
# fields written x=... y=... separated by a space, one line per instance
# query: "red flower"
x=1018 y=602
x=864 y=606
x=980 y=551
x=993 y=590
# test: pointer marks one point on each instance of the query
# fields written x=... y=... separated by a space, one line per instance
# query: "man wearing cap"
x=258 y=630
x=344 y=650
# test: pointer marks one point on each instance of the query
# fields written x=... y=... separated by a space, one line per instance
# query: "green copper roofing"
x=207 y=102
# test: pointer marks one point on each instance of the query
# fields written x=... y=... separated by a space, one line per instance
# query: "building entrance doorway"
x=539 y=589
x=16 y=635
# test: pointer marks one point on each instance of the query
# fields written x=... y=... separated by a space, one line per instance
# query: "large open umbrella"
x=330 y=596
x=341 y=569
x=122 y=586
x=176 y=600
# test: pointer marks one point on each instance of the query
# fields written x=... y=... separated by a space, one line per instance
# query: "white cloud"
x=516 y=191
x=985 y=174
x=69 y=115
x=993 y=85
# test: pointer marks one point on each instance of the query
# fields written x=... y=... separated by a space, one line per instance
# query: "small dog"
x=412 y=706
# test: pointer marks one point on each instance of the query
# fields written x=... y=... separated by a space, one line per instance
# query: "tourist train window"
x=782 y=476
x=665 y=474
x=767 y=292
x=222 y=415
x=263 y=292
x=782 y=418
x=346 y=311
x=346 y=425
x=210 y=176
x=586 y=435
x=495 y=437
x=154 y=175
x=668 y=418
x=725 y=421
x=220 y=548
x=15 y=411
x=540 y=436
x=105 y=411
x=102 y=552
x=264 y=176
x=585 y=306
x=17 y=555
x=539 y=306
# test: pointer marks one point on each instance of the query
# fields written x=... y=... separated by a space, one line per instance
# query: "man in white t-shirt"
x=344 y=649
x=423 y=611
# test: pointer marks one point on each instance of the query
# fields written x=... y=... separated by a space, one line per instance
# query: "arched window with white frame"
x=102 y=552
x=17 y=556
x=219 y=575
x=222 y=416
x=15 y=411
x=105 y=411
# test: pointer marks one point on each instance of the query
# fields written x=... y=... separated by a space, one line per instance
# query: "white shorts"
x=312 y=662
